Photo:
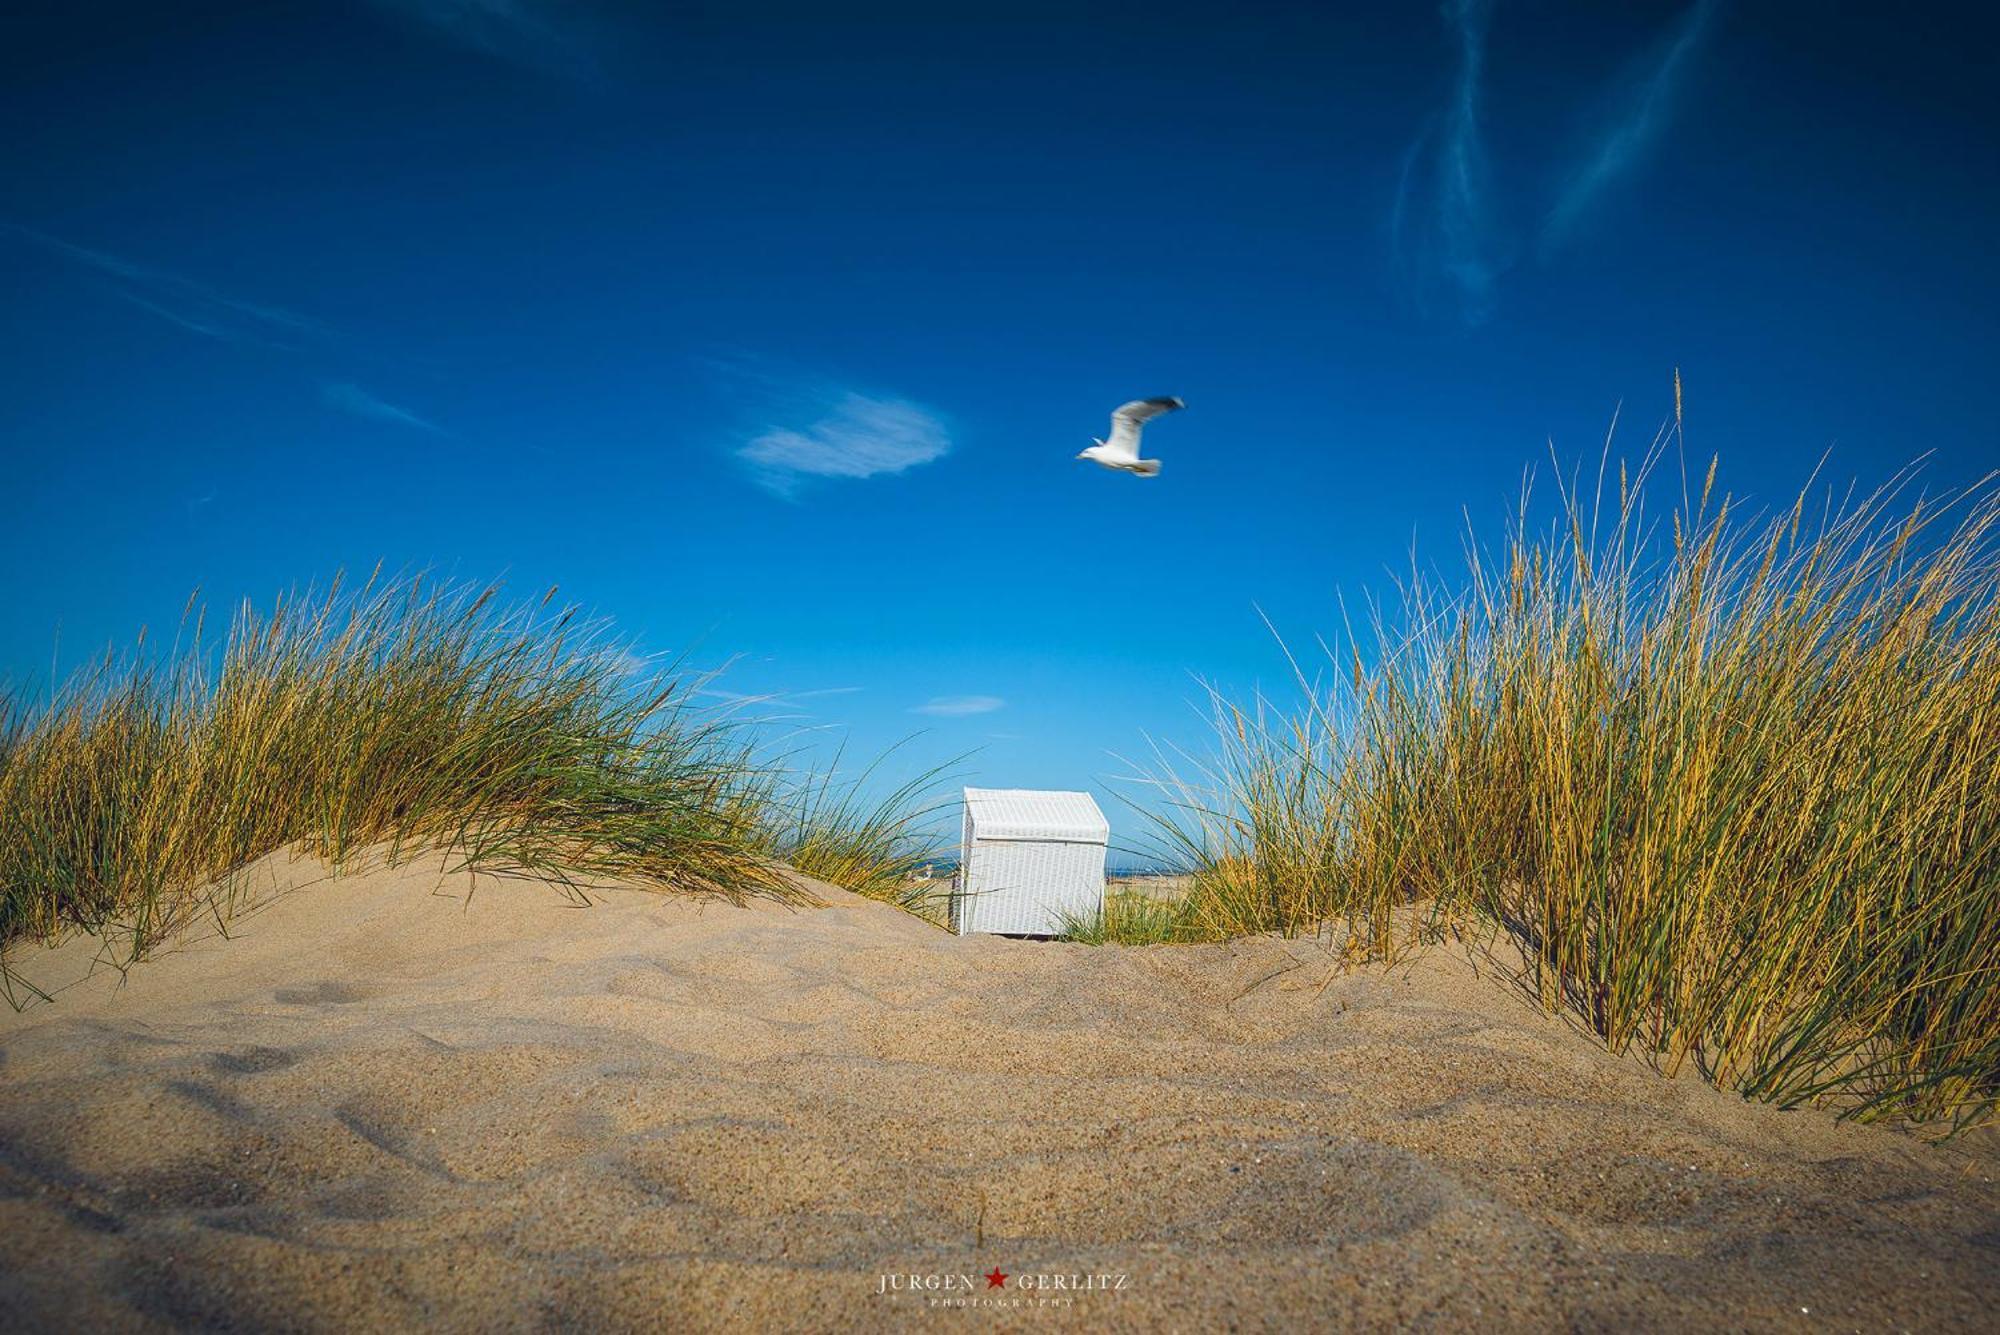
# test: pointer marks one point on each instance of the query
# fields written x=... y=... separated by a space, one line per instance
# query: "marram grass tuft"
x=842 y=831
x=405 y=714
x=1734 y=786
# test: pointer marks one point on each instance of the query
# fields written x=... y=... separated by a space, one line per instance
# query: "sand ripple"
x=382 y=1104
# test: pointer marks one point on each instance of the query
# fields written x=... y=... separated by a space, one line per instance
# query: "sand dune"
x=385 y=1102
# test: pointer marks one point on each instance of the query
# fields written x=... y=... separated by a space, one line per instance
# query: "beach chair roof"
x=1028 y=813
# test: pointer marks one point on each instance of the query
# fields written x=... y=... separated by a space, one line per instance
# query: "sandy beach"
x=398 y=1098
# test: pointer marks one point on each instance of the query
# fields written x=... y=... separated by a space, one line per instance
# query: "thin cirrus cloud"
x=200 y=309
x=959 y=706
x=1620 y=149
x=1447 y=236
x=175 y=298
x=1441 y=225
x=772 y=697
x=851 y=436
x=359 y=402
x=536 y=34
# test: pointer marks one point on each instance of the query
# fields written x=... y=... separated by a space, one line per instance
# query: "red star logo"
x=994 y=1279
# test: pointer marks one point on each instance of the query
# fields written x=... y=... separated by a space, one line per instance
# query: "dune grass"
x=1129 y=918
x=843 y=831
x=1733 y=785
x=404 y=714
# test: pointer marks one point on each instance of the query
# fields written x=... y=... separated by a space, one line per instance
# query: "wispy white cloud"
x=1463 y=221
x=852 y=436
x=200 y=309
x=540 y=34
x=353 y=399
x=1446 y=233
x=193 y=324
x=631 y=663
x=778 y=706
x=193 y=306
x=1441 y=224
x=822 y=690
x=959 y=706
x=774 y=697
x=1624 y=142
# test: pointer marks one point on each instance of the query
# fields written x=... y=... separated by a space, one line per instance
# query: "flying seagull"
x=1122 y=450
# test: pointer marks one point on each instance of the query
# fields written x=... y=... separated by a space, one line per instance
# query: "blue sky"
x=772 y=334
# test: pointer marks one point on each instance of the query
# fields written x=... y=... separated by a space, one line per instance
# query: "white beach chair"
x=1028 y=858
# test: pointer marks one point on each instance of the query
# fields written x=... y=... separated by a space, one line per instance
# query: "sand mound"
x=387 y=1101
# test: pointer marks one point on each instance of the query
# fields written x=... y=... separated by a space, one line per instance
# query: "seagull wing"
x=1129 y=417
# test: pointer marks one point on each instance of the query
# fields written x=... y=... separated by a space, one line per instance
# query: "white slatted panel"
x=1027 y=858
